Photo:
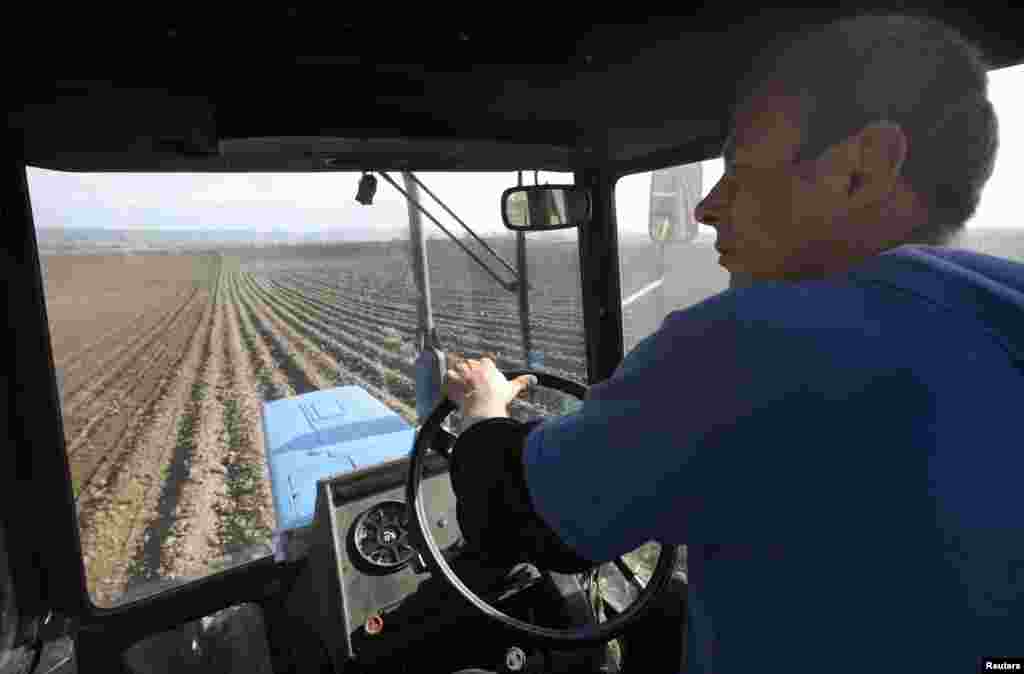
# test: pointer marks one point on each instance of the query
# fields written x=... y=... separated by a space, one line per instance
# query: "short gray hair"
x=911 y=70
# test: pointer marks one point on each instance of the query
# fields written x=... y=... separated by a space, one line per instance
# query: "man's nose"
x=710 y=210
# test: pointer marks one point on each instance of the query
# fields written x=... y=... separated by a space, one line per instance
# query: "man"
x=838 y=442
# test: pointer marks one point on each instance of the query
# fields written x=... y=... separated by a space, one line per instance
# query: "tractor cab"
x=238 y=277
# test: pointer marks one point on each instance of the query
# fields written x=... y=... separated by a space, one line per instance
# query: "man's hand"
x=480 y=390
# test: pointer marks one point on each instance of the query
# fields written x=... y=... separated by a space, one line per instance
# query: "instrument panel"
x=367 y=563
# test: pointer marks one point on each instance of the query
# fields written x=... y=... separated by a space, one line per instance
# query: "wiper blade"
x=464 y=225
x=507 y=285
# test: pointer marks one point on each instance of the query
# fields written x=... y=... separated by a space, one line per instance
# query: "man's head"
x=857 y=137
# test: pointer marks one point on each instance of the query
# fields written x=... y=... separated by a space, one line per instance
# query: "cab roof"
x=304 y=89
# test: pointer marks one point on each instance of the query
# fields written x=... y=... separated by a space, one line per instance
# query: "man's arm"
x=588 y=482
x=494 y=508
x=672 y=447
x=713 y=429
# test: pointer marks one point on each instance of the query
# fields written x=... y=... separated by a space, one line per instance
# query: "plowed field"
x=164 y=361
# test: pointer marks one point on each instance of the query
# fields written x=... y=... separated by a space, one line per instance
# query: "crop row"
x=95 y=428
x=242 y=520
x=154 y=556
x=346 y=369
x=88 y=404
x=146 y=564
x=556 y=328
x=86 y=356
x=379 y=371
x=495 y=303
x=316 y=311
x=120 y=499
x=549 y=303
x=339 y=312
x=262 y=368
x=281 y=357
x=546 y=399
x=556 y=280
x=375 y=364
x=403 y=315
x=383 y=373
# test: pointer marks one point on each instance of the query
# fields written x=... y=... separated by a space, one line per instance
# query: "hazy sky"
x=325 y=203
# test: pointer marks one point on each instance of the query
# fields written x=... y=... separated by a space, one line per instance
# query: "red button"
x=374 y=624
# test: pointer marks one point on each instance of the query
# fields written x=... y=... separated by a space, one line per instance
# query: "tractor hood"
x=317 y=435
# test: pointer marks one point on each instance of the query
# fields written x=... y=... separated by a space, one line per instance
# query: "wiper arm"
x=507 y=285
x=464 y=225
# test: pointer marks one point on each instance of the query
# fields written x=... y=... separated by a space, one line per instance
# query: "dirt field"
x=142 y=345
x=164 y=361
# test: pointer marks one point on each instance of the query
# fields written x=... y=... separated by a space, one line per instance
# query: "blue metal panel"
x=429 y=378
x=313 y=436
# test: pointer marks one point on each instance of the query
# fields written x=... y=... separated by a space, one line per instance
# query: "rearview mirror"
x=543 y=207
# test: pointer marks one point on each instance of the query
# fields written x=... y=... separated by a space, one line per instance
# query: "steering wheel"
x=559 y=639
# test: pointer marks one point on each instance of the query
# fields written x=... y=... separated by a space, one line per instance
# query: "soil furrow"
x=103 y=411
x=273 y=383
x=374 y=362
x=301 y=353
x=560 y=304
x=545 y=306
x=281 y=355
x=115 y=509
x=462 y=332
x=335 y=370
x=69 y=363
x=151 y=527
x=149 y=557
x=369 y=325
x=334 y=366
x=567 y=333
x=191 y=543
x=95 y=453
x=83 y=389
x=397 y=373
x=388 y=385
x=246 y=516
x=372 y=375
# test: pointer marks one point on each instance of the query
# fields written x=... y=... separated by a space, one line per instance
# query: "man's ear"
x=879 y=151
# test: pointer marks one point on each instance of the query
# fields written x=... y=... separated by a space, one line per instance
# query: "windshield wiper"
x=510 y=286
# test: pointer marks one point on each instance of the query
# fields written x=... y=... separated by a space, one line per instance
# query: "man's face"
x=774 y=217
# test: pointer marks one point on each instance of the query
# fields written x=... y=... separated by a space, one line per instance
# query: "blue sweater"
x=843 y=459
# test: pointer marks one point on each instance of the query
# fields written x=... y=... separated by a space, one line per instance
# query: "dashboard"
x=379 y=607
x=365 y=561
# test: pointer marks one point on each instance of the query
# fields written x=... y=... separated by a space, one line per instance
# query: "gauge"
x=381 y=536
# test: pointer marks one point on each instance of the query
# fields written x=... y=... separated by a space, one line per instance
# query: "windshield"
x=183 y=309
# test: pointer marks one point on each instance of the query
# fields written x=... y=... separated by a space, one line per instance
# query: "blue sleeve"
x=656 y=450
